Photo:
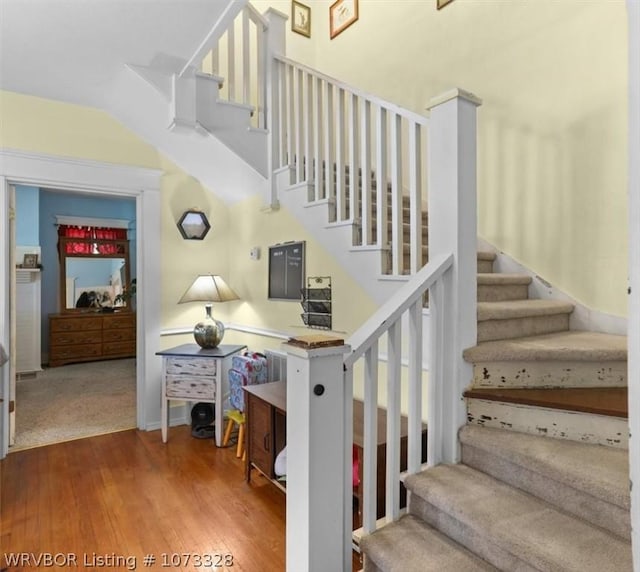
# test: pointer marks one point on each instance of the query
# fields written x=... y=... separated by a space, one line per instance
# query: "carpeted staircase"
x=543 y=480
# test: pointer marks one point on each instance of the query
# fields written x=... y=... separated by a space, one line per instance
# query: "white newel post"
x=452 y=229
x=316 y=428
x=275 y=46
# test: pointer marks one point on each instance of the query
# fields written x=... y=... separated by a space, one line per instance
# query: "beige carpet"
x=75 y=401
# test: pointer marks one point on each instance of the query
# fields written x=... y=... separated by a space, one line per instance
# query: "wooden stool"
x=235 y=417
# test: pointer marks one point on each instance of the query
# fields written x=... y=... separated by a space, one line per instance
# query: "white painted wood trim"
x=633 y=340
x=414 y=429
x=395 y=139
x=381 y=176
x=316 y=538
x=392 y=494
x=370 y=432
x=393 y=309
x=88 y=221
x=246 y=59
x=452 y=94
x=317 y=122
x=75 y=174
x=354 y=157
x=233 y=8
x=393 y=108
x=366 y=227
x=415 y=193
x=5 y=309
x=341 y=207
x=50 y=171
x=453 y=229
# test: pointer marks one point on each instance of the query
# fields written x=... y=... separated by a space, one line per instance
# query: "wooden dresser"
x=91 y=337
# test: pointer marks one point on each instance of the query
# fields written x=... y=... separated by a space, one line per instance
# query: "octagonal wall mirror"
x=193 y=225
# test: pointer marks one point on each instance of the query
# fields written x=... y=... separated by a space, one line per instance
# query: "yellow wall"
x=42 y=126
x=251 y=227
x=552 y=130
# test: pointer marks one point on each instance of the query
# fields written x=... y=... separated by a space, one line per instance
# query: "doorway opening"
x=85 y=396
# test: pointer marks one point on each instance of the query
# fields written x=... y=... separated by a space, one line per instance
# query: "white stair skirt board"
x=140 y=105
x=583 y=427
x=582 y=317
x=509 y=374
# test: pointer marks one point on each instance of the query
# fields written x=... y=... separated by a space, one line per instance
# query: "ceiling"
x=77 y=51
x=71 y=50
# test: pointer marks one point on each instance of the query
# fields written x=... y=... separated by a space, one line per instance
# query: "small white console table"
x=192 y=373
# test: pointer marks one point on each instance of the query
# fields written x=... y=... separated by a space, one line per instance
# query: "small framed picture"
x=442 y=3
x=30 y=261
x=342 y=14
x=301 y=18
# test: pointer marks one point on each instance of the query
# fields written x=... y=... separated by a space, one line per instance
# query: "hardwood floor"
x=127 y=495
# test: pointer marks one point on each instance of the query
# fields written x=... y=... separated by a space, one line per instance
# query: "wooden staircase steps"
x=610 y=401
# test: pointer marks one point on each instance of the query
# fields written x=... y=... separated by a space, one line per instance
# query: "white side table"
x=192 y=373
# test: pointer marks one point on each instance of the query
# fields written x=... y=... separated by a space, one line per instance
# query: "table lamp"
x=208 y=288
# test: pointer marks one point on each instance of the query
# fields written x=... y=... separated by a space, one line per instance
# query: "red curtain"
x=92 y=240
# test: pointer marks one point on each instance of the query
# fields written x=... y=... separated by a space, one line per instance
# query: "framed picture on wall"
x=300 y=19
x=342 y=14
x=30 y=261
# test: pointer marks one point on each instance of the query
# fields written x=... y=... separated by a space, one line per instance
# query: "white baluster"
x=395 y=139
x=366 y=224
x=392 y=494
x=415 y=195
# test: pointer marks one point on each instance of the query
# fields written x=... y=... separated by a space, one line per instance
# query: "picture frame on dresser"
x=30 y=260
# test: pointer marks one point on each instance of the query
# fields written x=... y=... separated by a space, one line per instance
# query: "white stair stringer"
x=362 y=264
x=230 y=122
x=139 y=101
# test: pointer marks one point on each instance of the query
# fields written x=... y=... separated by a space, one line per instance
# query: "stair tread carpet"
x=610 y=401
x=518 y=524
x=410 y=545
x=492 y=278
x=512 y=309
x=486 y=255
x=602 y=472
x=560 y=346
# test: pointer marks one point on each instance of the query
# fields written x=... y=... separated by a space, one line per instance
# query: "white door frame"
x=55 y=172
x=633 y=339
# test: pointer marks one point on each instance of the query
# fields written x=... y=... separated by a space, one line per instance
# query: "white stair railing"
x=359 y=153
x=330 y=136
x=320 y=386
x=238 y=59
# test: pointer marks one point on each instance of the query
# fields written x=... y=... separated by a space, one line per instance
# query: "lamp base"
x=209 y=332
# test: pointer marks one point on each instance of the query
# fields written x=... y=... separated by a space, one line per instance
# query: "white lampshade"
x=209 y=288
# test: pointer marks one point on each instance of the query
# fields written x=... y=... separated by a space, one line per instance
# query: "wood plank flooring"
x=127 y=494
